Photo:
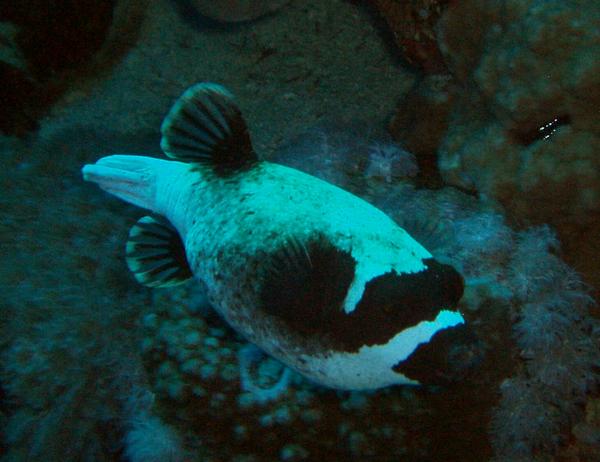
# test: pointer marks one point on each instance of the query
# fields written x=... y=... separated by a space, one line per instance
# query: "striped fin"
x=206 y=126
x=155 y=254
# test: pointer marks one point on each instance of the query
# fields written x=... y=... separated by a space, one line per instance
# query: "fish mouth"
x=451 y=356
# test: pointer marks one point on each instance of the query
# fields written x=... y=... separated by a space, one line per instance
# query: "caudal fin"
x=131 y=178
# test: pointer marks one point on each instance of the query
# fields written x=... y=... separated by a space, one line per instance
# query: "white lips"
x=371 y=366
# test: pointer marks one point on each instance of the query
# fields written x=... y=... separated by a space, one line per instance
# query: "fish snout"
x=451 y=355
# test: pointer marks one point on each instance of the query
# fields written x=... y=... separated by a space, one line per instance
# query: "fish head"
x=380 y=341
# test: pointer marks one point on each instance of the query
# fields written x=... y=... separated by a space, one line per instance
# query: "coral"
x=186 y=356
x=557 y=339
x=516 y=119
x=150 y=440
x=259 y=392
x=388 y=160
x=524 y=422
x=524 y=129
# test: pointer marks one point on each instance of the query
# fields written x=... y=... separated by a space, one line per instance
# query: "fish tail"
x=131 y=178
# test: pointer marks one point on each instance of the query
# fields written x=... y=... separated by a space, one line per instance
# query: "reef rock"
x=526 y=130
x=413 y=26
x=237 y=10
x=523 y=127
x=47 y=47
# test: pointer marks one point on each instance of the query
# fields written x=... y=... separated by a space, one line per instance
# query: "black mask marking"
x=306 y=283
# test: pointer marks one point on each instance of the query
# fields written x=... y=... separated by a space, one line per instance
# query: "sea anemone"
x=389 y=160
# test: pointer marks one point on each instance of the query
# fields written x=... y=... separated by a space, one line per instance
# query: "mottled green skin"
x=229 y=224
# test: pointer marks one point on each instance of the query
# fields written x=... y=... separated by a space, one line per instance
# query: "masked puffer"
x=315 y=276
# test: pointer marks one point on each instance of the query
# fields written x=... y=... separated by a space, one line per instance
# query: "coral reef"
x=163 y=365
x=547 y=304
x=93 y=367
x=520 y=125
x=500 y=143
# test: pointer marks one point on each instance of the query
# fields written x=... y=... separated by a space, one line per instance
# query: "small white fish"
x=313 y=275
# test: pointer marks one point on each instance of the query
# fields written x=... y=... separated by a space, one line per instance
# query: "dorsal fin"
x=155 y=254
x=206 y=126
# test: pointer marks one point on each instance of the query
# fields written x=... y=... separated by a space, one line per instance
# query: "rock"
x=237 y=10
x=413 y=25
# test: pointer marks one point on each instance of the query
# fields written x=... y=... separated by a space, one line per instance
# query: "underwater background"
x=473 y=124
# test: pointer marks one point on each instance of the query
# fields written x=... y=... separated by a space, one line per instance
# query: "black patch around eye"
x=306 y=283
x=393 y=302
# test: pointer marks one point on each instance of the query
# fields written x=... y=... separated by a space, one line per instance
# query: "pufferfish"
x=313 y=275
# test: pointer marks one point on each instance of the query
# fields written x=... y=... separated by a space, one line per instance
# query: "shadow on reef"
x=49 y=45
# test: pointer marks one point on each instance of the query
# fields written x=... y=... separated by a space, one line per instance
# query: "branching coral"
x=558 y=341
x=556 y=337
